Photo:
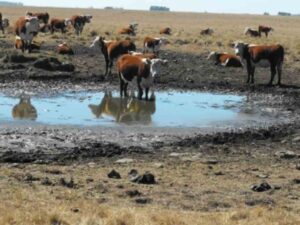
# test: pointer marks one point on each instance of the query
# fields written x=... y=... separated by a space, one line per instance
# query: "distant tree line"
x=159 y=8
x=284 y=14
x=10 y=4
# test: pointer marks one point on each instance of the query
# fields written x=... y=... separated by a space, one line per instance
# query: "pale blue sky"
x=226 y=6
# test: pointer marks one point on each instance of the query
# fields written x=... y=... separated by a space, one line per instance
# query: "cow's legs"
x=23 y=46
x=147 y=91
x=252 y=74
x=279 y=71
x=273 y=73
x=125 y=89
x=140 y=88
x=249 y=70
x=122 y=83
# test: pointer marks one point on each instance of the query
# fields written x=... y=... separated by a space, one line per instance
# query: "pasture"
x=57 y=175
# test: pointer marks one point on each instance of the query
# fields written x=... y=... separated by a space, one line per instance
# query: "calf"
x=264 y=29
x=112 y=50
x=225 y=59
x=166 y=31
x=27 y=28
x=251 y=32
x=59 y=24
x=254 y=54
x=207 y=31
x=154 y=44
x=144 y=70
x=64 y=49
x=42 y=17
x=79 y=22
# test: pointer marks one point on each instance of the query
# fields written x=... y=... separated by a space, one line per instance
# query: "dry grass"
x=186 y=28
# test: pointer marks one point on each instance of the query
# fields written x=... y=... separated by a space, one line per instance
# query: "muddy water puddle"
x=166 y=109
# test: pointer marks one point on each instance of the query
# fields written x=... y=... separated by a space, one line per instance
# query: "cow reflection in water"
x=125 y=110
x=24 y=110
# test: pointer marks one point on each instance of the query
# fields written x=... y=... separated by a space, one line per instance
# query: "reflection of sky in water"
x=177 y=109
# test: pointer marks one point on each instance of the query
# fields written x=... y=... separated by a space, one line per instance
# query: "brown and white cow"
x=143 y=55
x=154 y=44
x=43 y=17
x=253 y=55
x=166 y=31
x=265 y=29
x=143 y=70
x=64 y=49
x=111 y=50
x=225 y=59
x=207 y=31
x=251 y=32
x=79 y=22
x=27 y=28
x=59 y=24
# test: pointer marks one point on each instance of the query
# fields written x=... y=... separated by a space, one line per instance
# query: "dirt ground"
x=59 y=173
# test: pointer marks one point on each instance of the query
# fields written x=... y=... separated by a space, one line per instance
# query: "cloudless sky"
x=220 y=6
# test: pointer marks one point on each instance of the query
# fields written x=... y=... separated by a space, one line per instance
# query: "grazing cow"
x=144 y=70
x=112 y=50
x=27 y=28
x=154 y=44
x=19 y=44
x=143 y=55
x=125 y=110
x=64 y=49
x=265 y=29
x=58 y=24
x=225 y=59
x=251 y=32
x=79 y=22
x=207 y=31
x=24 y=110
x=255 y=54
x=166 y=31
x=43 y=17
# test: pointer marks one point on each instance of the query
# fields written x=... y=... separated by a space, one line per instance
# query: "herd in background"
x=142 y=67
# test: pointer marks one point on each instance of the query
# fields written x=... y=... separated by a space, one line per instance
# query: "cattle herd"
x=142 y=67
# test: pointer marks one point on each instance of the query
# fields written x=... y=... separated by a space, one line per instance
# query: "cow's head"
x=98 y=42
x=212 y=56
x=68 y=22
x=155 y=65
x=240 y=48
x=5 y=22
x=32 y=25
x=163 y=41
x=87 y=18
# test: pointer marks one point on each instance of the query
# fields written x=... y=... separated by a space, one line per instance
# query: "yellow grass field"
x=31 y=203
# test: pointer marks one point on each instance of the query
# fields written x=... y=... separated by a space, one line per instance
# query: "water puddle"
x=167 y=109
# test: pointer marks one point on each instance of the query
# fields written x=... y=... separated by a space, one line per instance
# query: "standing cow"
x=27 y=28
x=79 y=22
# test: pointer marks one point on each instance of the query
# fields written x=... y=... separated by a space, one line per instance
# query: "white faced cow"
x=254 y=55
x=144 y=70
x=27 y=28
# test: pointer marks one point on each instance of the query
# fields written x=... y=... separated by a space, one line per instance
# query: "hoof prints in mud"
x=88 y=151
x=273 y=132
